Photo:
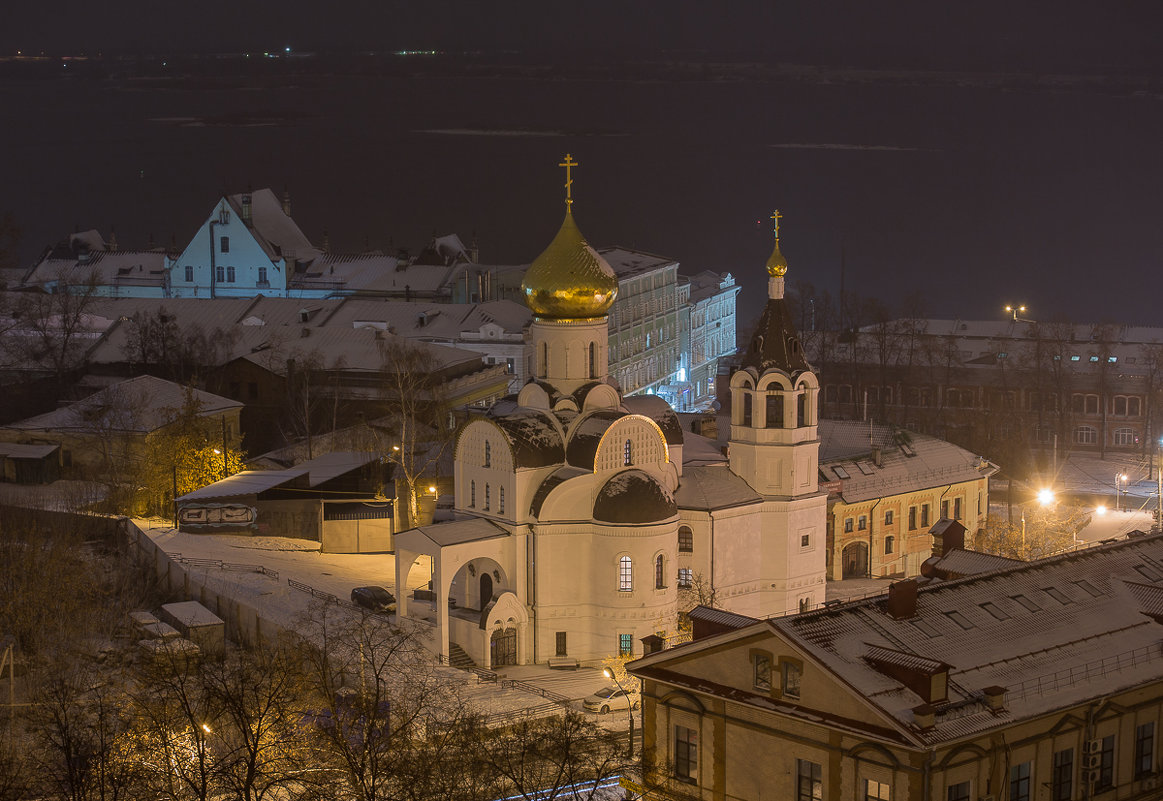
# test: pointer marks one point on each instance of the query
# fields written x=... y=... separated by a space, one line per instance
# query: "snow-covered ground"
x=300 y=560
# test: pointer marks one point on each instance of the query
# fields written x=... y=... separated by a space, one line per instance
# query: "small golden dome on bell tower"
x=776 y=263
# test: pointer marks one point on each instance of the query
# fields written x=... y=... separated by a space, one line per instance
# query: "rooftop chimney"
x=286 y=202
x=652 y=644
x=876 y=456
x=925 y=716
x=902 y=599
x=995 y=698
x=246 y=208
x=111 y=245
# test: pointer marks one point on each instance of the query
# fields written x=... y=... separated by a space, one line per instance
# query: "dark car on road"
x=376 y=599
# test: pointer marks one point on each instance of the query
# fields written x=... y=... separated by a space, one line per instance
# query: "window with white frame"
x=625 y=575
x=685 y=578
x=1125 y=436
x=1086 y=435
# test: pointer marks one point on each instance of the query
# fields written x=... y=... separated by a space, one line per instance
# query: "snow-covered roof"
x=960 y=562
x=633 y=497
x=627 y=263
x=107 y=267
x=713 y=487
x=1053 y=634
x=191 y=614
x=138 y=406
x=700 y=451
x=346 y=272
x=274 y=230
x=535 y=439
x=908 y=462
x=660 y=412
x=13 y=450
x=335 y=348
x=458 y=532
x=318 y=471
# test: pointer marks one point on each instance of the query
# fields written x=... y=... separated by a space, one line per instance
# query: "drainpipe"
x=871 y=518
x=533 y=591
x=212 y=263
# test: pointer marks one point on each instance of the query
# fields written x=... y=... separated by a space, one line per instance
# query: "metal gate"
x=503 y=649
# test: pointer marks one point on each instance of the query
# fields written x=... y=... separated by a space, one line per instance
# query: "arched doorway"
x=503 y=648
x=486 y=588
x=855 y=560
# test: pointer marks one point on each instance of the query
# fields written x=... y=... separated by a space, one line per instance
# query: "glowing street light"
x=1046 y=496
x=1100 y=509
x=609 y=674
x=1120 y=482
x=1015 y=311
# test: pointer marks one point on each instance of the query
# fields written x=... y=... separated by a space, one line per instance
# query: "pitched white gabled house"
x=249 y=245
x=576 y=525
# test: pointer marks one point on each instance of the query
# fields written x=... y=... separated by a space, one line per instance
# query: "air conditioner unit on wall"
x=1149 y=782
x=1092 y=747
x=1090 y=775
x=1091 y=760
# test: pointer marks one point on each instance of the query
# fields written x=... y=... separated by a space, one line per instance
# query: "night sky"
x=970 y=195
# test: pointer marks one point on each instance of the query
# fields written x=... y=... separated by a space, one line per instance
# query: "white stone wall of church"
x=578 y=586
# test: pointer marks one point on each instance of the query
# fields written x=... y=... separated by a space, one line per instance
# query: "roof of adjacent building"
x=252 y=482
x=136 y=406
x=628 y=263
x=960 y=562
x=104 y=267
x=713 y=487
x=458 y=532
x=1053 y=634
x=908 y=461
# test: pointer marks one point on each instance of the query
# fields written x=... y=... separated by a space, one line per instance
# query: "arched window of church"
x=593 y=360
x=544 y=358
x=774 y=409
x=746 y=408
x=472 y=493
x=659 y=581
x=488 y=454
x=628 y=453
x=802 y=409
x=501 y=500
x=486 y=497
x=625 y=579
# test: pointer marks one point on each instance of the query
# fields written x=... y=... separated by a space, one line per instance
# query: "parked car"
x=609 y=698
x=376 y=599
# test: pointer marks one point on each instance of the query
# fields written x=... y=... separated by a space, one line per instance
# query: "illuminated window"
x=625 y=575
x=625 y=645
x=627 y=453
x=659 y=576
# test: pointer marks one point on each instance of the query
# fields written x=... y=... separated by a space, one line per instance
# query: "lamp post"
x=1015 y=311
x=1119 y=479
x=609 y=674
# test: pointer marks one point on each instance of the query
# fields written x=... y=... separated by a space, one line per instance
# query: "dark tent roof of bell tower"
x=775 y=342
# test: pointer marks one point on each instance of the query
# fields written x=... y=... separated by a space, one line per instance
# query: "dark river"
x=971 y=195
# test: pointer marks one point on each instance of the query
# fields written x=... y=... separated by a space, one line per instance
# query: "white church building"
x=577 y=521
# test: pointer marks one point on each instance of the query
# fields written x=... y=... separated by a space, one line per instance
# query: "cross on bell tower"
x=569 y=164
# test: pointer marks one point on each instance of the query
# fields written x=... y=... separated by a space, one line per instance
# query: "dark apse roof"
x=775 y=342
x=552 y=481
x=535 y=439
x=632 y=496
x=660 y=412
x=583 y=442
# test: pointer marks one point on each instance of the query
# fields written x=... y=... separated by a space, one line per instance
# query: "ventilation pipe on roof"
x=652 y=644
x=111 y=245
x=286 y=201
x=877 y=457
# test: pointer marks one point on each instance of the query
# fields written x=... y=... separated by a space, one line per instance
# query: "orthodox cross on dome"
x=569 y=164
x=775 y=216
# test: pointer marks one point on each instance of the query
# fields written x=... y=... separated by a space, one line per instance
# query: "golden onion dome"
x=569 y=280
x=776 y=263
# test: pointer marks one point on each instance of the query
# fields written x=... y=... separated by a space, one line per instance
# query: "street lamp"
x=1046 y=496
x=1120 y=479
x=609 y=674
x=1015 y=311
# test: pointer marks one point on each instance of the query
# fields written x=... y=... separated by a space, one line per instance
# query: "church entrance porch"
x=854 y=560
x=503 y=647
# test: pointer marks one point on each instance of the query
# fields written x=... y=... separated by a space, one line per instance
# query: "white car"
x=609 y=698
